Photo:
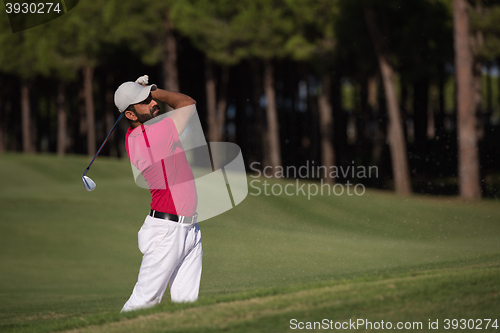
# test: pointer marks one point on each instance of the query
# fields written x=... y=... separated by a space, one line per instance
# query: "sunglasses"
x=147 y=100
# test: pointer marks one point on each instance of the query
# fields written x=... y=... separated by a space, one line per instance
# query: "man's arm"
x=173 y=99
x=183 y=105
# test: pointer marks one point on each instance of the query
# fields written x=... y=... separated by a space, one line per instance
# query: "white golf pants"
x=172 y=256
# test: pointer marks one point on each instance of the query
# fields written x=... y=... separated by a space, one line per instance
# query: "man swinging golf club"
x=169 y=239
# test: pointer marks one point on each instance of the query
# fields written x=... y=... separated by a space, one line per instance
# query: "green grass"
x=403 y=298
x=69 y=258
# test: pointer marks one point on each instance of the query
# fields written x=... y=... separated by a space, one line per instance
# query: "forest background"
x=411 y=87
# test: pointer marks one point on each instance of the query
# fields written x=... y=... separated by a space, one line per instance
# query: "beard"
x=142 y=118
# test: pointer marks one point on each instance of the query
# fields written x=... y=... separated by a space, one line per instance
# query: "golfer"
x=169 y=239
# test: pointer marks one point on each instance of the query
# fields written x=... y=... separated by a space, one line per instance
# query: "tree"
x=78 y=39
x=169 y=54
x=216 y=107
x=313 y=40
x=215 y=34
x=357 y=62
x=326 y=126
x=417 y=54
x=54 y=63
x=422 y=51
x=484 y=16
x=229 y=32
x=16 y=58
x=3 y=122
x=468 y=167
x=265 y=27
x=147 y=27
x=397 y=140
x=79 y=42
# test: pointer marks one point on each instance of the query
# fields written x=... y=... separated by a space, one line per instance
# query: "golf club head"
x=88 y=183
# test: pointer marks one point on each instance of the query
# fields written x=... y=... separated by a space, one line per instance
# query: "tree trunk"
x=404 y=106
x=372 y=93
x=478 y=98
x=216 y=108
x=260 y=134
x=468 y=164
x=364 y=124
x=222 y=102
x=169 y=62
x=109 y=118
x=489 y=92
x=431 y=121
x=397 y=141
x=314 y=124
x=273 y=139
x=3 y=121
x=210 y=90
x=62 y=122
x=326 y=127
x=82 y=123
x=439 y=117
x=498 y=84
x=379 y=137
x=477 y=73
x=88 y=74
x=28 y=146
x=420 y=114
x=2 y=130
x=340 y=120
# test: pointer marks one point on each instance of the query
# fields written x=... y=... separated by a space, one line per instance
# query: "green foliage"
x=52 y=48
x=486 y=22
x=16 y=55
x=139 y=25
x=355 y=51
x=314 y=35
x=417 y=49
x=217 y=31
x=265 y=27
x=231 y=31
x=59 y=47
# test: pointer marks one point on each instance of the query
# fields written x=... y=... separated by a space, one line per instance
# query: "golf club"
x=88 y=183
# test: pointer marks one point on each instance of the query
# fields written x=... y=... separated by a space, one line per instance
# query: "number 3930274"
x=32 y=8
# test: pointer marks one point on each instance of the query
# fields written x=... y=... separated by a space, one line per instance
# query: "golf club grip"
x=105 y=140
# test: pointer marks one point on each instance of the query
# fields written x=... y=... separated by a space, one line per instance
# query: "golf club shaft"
x=105 y=140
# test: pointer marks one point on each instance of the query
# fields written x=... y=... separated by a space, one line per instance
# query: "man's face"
x=146 y=110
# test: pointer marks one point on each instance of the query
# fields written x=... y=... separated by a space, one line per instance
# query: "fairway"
x=69 y=258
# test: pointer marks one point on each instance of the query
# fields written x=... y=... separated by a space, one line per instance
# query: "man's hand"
x=183 y=105
x=143 y=80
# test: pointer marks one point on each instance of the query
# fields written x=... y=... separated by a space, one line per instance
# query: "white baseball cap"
x=131 y=93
